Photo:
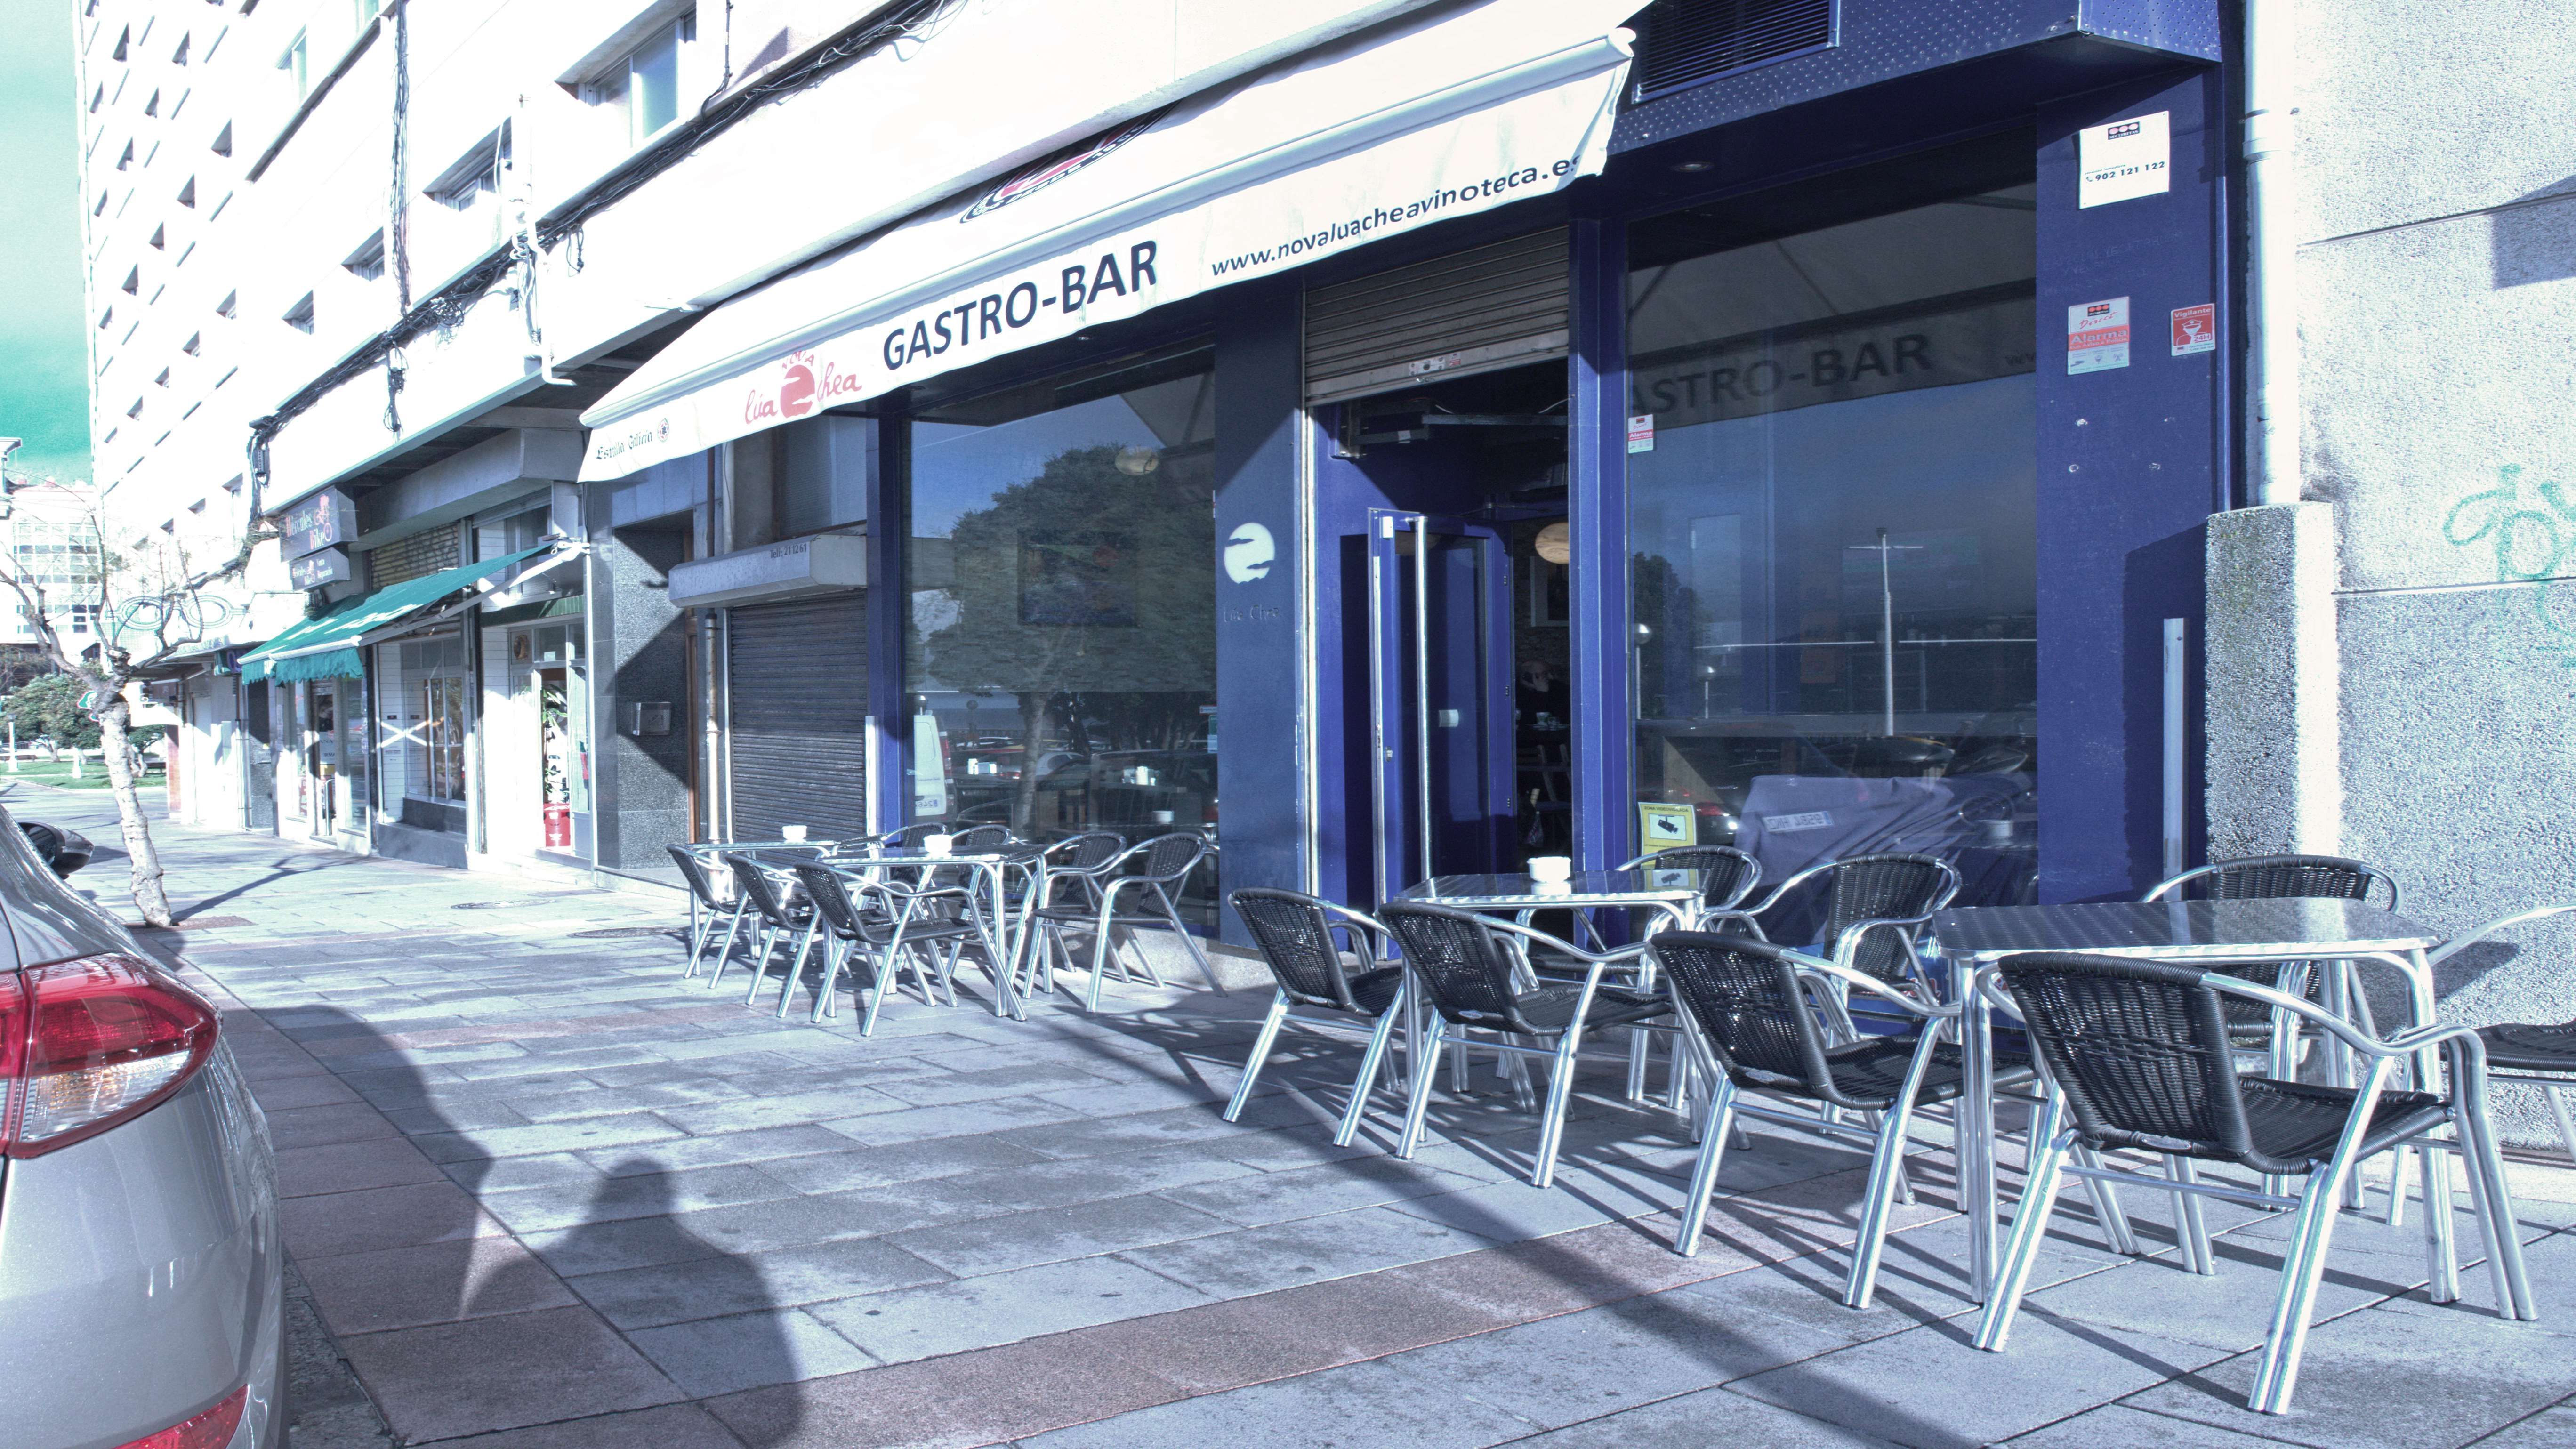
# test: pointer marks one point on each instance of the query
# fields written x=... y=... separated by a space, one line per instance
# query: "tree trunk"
x=149 y=896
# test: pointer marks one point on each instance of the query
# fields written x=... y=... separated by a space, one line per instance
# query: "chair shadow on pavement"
x=583 y=1304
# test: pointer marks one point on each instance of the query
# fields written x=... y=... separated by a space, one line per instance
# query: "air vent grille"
x=1684 y=43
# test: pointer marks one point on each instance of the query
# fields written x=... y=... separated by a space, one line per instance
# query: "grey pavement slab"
x=912 y=1323
x=721 y=1284
x=1711 y=1417
x=1376 y=1403
x=508 y=1372
x=1305 y=1250
x=1050 y=1235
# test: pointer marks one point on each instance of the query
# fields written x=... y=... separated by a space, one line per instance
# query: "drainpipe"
x=2271 y=204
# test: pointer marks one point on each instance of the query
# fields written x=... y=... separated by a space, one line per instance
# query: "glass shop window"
x=1833 y=539
x=1060 y=665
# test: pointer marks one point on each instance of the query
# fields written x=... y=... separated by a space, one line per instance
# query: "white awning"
x=1364 y=138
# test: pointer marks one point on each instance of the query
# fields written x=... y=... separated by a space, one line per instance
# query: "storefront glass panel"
x=1060 y=659
x=1832 y=532
x=422 y=688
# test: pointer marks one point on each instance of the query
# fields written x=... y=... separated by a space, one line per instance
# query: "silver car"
x=142 y=1293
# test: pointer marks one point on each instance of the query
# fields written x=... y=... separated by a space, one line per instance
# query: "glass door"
x=1440 y=722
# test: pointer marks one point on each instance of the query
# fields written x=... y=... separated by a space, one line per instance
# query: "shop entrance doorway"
x=1459 y=600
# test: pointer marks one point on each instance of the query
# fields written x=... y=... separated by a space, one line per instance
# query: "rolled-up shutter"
x=1474 y=311
x=797 y=678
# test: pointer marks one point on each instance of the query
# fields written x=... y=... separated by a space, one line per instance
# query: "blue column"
x=1597 y=464
x=2130 y=460
x=889 y=605
x=1261 y=554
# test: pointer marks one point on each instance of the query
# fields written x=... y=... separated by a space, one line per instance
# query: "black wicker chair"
x=1875 y=906
x=773 y=916
x=2138 y=1054
x=1727 y=875
x=705 y=907
x=877 y=929
x=2273 y=878
x=2532 y=1053
x=1159 y=868
x=1318 y=988
x=1460 y=965
x=1752 y=1009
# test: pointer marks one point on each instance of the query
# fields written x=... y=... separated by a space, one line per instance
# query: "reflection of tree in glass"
x=1121 y=662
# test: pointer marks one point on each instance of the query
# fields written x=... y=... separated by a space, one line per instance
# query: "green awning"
x=326 y=647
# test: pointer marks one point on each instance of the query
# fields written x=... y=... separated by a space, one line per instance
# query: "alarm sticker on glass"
x=2097 y=335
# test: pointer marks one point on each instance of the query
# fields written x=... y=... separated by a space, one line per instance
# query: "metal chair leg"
x=1261 y=1045
x=796 y=968
x=2557 y=1096
x=2277 y=1374
x=1172 y=913
x=2191 y=1224
x=2441 y=1252
x=1560 y=1089
x=724 y=955
x=1419 y=1104
x=2106 y=1206
x=876 y=994
x=1715 y=1128
x=836 y=953
x=1363 y=1084
x=763 y=946
x=2029 y=1227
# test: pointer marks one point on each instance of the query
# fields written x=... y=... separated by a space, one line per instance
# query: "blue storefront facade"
x=1776 y=509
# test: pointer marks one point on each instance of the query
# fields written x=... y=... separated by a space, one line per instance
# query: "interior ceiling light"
x=1689 y=167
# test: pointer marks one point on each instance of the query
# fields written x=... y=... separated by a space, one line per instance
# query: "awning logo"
x=1046 y=173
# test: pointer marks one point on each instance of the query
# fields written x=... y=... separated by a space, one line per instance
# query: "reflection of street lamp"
x=1886 y=614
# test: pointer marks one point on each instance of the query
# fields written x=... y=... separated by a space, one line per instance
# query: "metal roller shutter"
x=1475 y=311
x=798 y=685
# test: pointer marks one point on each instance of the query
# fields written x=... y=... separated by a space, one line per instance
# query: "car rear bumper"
x=142 y=1275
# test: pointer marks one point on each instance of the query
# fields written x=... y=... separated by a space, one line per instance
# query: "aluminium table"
x=2211 y=933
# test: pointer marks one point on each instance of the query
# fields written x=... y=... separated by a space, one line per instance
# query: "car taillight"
x=212 y=1429
x=88 y=1043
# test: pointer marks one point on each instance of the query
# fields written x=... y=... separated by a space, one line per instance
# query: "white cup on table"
x=792 y=834
x=938 y=844
x=1551 y=869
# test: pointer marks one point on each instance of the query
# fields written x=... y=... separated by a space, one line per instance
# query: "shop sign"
x=2097 y=335
x=1249 y=553
x=318 y=522
x=1509 y=102
x=314 y=570
x=1775 y=372
x=2195 y=329
x=1641 y=433
x=2124 y=160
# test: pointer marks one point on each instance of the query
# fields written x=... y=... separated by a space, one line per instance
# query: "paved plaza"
x=541 y=1193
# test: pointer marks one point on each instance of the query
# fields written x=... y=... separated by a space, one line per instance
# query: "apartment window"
x=124 y=38
x=133 y=280
x=105 y=318
x=180 y=56
x=126 y=160
x=84 y=618
x=101 y=208
x=298 y=62
x=368 y=261
x=163 y=380
x=152 y=107
x=190 y=346
x=367 y=11
x=476 y=175
x=300 y=316
x=224 y=140
x=646 y=84
x=188 y=193
x=228 y=305
x=161 y=238
x=136 y=410
x=97 y=98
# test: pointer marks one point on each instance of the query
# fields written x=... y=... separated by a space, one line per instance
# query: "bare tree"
x=142 y=609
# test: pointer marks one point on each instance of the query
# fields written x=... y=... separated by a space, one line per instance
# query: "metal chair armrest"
x=1597 y=958
x=1861 y=980
x=2453 y=948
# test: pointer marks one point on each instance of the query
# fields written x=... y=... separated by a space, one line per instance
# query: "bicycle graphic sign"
x=2532 y=530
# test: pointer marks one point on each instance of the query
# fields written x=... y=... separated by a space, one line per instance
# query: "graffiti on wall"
x=2530 y=528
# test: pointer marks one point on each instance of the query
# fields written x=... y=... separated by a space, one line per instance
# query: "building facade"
x=1393 y=438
